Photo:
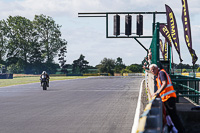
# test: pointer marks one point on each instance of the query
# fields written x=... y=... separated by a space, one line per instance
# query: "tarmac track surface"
x=91 y=105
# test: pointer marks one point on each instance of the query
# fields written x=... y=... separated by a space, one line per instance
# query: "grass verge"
x=26 y=80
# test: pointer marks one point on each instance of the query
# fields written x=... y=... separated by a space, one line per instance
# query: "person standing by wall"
x=167 y=93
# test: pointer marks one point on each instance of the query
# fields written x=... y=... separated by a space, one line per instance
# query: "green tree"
x=62 y=59
x=20 y=37
x=2 y=68
x=125 y=71
x=135 y=68
x=106 y=66
x=50 y=67
x=49 y=35
x=16 y=68
x=62 y=56
x=35 y=43
x=80 y=65
x=3 y=39
x=119 y=65
x=36 y=60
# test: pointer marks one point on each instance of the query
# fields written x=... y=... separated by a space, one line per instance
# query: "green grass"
x=26 y=80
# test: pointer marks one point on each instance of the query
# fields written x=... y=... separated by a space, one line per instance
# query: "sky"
x=87 y=35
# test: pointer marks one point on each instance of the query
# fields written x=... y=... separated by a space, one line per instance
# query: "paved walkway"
x=184 y=104
x=190 y=118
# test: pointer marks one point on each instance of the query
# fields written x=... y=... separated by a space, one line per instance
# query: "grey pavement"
x=190 y=118
x=91 y=105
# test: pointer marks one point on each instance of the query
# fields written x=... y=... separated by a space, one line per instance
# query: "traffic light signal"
x=139 y=25
x=128 y=21
x=116 y=25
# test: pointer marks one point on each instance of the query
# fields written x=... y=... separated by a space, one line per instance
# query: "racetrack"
x=91 y=105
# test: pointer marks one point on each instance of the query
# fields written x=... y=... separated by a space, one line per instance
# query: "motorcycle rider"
x=46 y=76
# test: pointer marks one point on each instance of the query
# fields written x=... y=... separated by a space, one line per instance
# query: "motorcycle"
x=44 y=82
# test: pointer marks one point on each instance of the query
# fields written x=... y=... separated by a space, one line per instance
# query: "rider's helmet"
x=44 y=72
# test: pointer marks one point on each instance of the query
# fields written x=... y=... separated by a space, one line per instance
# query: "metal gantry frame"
x=106 y=15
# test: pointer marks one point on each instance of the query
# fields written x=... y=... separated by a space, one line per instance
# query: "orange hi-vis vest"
x=169 y=90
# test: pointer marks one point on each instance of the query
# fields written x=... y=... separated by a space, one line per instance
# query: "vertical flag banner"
x=194 y=56
x=161 y=47
x=165 y=49
x=187 y=30
x=165 y=32
x=171 y=21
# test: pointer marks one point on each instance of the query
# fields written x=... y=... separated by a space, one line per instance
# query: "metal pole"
x=181 y=68
x=157 y=44
x=141 y=45
x=154 y=20
x=106 y=25
x=169 y=58
x=194 y=71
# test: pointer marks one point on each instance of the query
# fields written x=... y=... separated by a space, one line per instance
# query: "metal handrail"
x=187 y=87
x=152 y=118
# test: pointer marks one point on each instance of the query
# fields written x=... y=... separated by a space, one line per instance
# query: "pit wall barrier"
x=133 y=74
x=151 y=121
x=90 y=74
x=6 y=76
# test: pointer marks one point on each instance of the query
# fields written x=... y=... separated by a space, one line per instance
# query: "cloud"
x=87 y=35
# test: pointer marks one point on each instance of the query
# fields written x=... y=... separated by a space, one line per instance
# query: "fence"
x=186 y=86
x=152 y=118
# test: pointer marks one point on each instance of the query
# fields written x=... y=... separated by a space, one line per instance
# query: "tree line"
x=185 y=67
x=30 y=46
x=107 y=65
x=112 y=66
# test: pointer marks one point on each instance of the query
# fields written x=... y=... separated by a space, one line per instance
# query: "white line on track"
x=137 y=113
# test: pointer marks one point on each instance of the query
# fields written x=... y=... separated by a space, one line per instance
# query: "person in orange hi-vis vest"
x=167 y=93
